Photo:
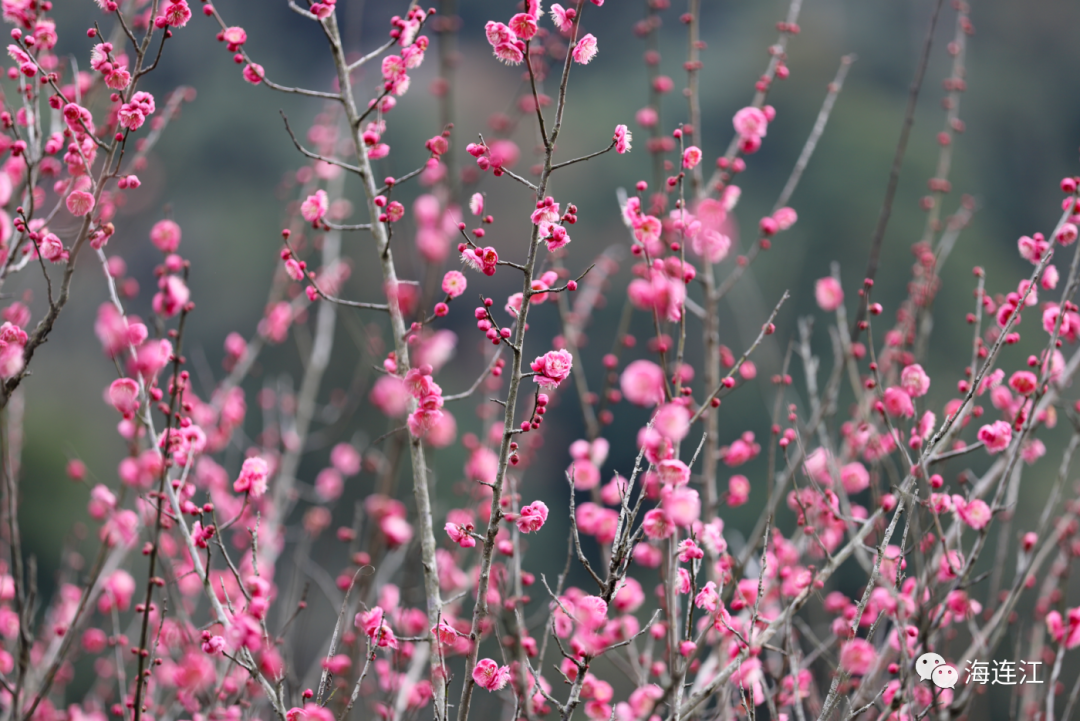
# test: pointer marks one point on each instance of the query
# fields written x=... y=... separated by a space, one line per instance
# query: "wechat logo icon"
x=932 y=667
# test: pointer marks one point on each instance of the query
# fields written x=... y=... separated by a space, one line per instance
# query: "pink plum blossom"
x=489 y=675
x=80 y=203
x=829 y=294
x=454 y=283
x=751 y=122
x=691 y=157
x=975 y=513
x=996 y=436
x=315 y=206
x=552 y=368
x=585 y=50
x=857 y=656
x=898 y=403
x=532 y=517
x=642 y=383
x=914 y=380
x=123 y=395
x=253 y=477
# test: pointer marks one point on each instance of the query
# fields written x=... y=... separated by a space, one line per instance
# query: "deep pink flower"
x=476 y=204
x=79 y=202
x=682 y=505
x=751 y=122
x=585 y=50
x=1032 y=249
x=315 y=206
x=488 y=674
x=454 y=283
x=523 y=25
x=854 y=477
x=214 y=646
x=532 y=517
x=165 y=235
x=176 y=14
x=552 y=368
x=52 y=248
x=422 y=420
x=689 y=551
x=172 y=296
x=563 y=21
x=483 y=259
x=657 y=524
x=672 y=421
x=622 y=137
x=996 y=436
x=829 y=294
x=123 y=395
x=673 y=472
x=461 y=534
x=1065 y=631
x=234 y=37
x=914 y=380
x=741 y=450
x=711 y=245
x=1024 y=382
x=511 y=52
x=396 y=530
x=691 y=157
x=898 y=403
x=254 y=73
x=253 y=477
x=642 y=383
x=1066 y=235
x=373 y=624
x=974 y=513
x=557 y=239
x=497 y=33
x=1032 y=450
x=647 y=117
x=114 y=331
x=858 y=656
x=738 y=491
x=629 y=597
x=707 y=597
x=388 y=394
x=590 y=612
x=785 y=218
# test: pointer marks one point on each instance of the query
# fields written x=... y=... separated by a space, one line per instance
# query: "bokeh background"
x=225 y=168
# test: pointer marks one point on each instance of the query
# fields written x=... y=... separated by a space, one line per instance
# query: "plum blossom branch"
x=316 y=156
x=766 y=329
x=583 y=158
x=898 y=159
x=492 y=364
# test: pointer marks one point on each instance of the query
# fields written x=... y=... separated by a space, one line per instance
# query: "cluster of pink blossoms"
x=428 y=394
x=509 y=41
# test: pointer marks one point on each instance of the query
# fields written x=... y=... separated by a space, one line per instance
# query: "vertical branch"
x=693 y=69
x=480 y=609
x=898 y=161
x=380 y=233
x=447 y=30
x=23 y=600
x=317 y=362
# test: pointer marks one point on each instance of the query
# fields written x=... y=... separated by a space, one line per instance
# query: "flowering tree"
x=731 y=631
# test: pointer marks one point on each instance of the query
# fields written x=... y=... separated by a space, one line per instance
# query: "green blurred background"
x=219 y=172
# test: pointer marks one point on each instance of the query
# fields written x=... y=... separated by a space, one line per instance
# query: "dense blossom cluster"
x=896 y=477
